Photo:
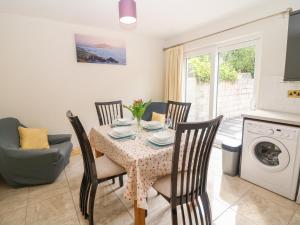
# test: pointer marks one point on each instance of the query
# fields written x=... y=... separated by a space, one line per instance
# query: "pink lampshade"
x=127 y=11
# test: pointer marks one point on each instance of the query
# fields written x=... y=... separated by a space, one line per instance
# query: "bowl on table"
x=162 y=138
x=123 y=121
x=153 y=125
x=120 y=132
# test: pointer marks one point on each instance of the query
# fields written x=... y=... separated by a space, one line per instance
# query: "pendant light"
x=127 y=11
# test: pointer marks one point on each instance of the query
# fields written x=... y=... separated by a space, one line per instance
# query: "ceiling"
x=158 y=18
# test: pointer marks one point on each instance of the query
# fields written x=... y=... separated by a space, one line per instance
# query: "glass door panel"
x=198 y=78
x=235 y=88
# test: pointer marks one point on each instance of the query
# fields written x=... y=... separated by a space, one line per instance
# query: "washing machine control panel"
x=272 y=130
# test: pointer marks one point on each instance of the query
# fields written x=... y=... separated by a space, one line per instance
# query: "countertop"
x=272 y=116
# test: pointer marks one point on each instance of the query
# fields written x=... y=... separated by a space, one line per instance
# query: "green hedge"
x=231 y=63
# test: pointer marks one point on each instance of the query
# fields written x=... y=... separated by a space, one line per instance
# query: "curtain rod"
x=289 y=10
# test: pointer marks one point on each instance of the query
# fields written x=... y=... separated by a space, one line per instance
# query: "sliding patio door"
x=221 y=81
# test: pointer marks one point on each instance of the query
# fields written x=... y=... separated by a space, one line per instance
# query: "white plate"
x=154 y=141
x=121 y=130
x=123 y=135
x=162 y=136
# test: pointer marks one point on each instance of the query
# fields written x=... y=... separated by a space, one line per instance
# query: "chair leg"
x=146 y=211
x=174 y=216
x=91 y=203
x=82 y=191
x=207 y=209
x=113 y=181
x=86 y=198
x=98 y=154
x=121 y=181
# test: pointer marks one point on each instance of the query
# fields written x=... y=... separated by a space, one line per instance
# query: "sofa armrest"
x=29 y=156
x=58 y=138
x=22 y=167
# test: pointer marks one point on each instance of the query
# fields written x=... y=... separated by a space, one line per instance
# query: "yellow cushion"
x=158 y=117
x=33 y=138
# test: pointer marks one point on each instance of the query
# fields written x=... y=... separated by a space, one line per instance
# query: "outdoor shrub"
x=227 y=72
x=231 y=63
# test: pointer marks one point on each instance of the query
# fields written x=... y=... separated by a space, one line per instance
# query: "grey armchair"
x=31 y=167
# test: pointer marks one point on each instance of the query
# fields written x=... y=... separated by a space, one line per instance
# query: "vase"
x=139 y=126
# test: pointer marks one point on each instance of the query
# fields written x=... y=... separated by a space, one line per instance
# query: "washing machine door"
x=270 y=154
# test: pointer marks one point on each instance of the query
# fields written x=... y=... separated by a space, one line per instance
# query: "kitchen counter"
x=272 y=116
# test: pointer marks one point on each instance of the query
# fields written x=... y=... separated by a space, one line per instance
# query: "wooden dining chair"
x=177 y=112
x=109 y=111
x=186 y=186
x=95 y=172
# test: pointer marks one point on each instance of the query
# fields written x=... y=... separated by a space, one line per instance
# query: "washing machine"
x=271 y=156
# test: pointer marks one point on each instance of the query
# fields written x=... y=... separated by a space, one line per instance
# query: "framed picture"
x=100 y=50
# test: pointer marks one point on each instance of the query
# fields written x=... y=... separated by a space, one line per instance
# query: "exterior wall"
x=233 y=97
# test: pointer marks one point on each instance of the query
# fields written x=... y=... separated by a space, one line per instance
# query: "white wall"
x=272 y=91
x=40 y=78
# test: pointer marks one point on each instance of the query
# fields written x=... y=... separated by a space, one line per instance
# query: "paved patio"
x=231 y=128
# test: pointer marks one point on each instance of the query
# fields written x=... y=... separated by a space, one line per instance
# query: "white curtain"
x=173 y=76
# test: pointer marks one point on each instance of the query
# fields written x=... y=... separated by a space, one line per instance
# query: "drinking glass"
x=167 y=123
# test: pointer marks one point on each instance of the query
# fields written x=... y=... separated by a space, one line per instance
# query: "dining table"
x=143 y=161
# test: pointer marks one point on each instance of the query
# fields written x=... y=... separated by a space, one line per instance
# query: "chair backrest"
x=193 y=144
x=177 y=112
x=109 y=111
x=158 y=107
x=86 y=149
x=9 y=134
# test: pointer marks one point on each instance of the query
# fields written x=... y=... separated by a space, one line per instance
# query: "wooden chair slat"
x=109 y=111
x=177 y=112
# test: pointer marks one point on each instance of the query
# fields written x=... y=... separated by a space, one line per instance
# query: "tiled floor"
x=233 y=200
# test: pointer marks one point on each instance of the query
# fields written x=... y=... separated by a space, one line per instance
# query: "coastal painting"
x=100 y=50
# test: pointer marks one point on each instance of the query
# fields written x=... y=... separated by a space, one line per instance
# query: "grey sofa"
x=31 y=167
x=158 y=107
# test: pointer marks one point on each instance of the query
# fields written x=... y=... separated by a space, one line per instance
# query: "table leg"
x=98 y=153
x=139 y=215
